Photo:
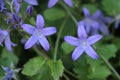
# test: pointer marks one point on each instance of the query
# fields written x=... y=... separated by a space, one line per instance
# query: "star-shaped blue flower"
x=83 y=43
x=39 y=33
x=51 y=3
x=10 y=72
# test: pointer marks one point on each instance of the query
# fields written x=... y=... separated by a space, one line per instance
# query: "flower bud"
x=29 y=10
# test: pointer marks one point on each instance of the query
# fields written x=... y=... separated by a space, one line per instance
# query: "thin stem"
x=67 y=71
x=11 y=6
x=110 y=66
x=65 y=76
x=58 y=39
x=39 y=53
x=68 y=11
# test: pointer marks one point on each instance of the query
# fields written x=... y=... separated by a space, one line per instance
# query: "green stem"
x=65 y=76
x=58 y=39
x=39 y=53
x=68 y=11
x=11 y=6
x=67 y=71
x=110 y=66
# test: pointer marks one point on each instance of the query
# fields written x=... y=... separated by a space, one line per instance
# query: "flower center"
x=38 y=33
x=83 y=43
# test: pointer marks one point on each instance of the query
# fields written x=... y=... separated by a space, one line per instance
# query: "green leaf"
x=69 y=29
x=56 y=68
x=54 y=14
x=32 y=21
x=99 y=72
x=8 y=57
x=107 y=51
x=41 y=75
x=116 y=41
x=81 y=68
x=112 y=7
x=67 y=48
x=33 y=66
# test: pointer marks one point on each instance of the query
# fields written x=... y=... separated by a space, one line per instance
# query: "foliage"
x=51 y=57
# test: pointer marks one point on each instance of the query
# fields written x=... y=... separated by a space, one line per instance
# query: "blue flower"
x=4 y=36
x=10 y=72
x=83 y=43
x=96 y=22
x=38 y=33
x=51 y=3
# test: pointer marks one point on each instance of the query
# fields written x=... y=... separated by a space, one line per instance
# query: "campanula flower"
x=4 y=36
x=83 y=43
x=17 y=4
x=51 y=3
x=10 y=72
x=96 y=22
x=39 y=33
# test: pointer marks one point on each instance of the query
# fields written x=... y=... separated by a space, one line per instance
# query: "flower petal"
x=49 y=31
x=93 y=23
x=86 y=12
x=81 y=30
x=1 y=37
x=108 y=19
x=71 y=40
x=98 y=14
x=8 y=43
x=28 y=28
x=17 y=6
x=77 y=53
x=44 y=42
x=90 y=52
x=31 y=41
x=93 y=39
x=51 y=3
x=39 y=21
x=69 y=2
x=31 y=2
x=104 y=29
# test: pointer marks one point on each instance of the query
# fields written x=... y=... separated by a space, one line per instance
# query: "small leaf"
x=67 y=48
x=112 y=7
x=107 y=51
x=41 y=75
x=8 y=57
x=32 y=21
x=33 y=66
x=99 y=72
x=56 y=68
x=54 y=14
x=81 y=68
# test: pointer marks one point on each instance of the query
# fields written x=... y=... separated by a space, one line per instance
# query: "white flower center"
x=83 y=43
x=38 y=33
